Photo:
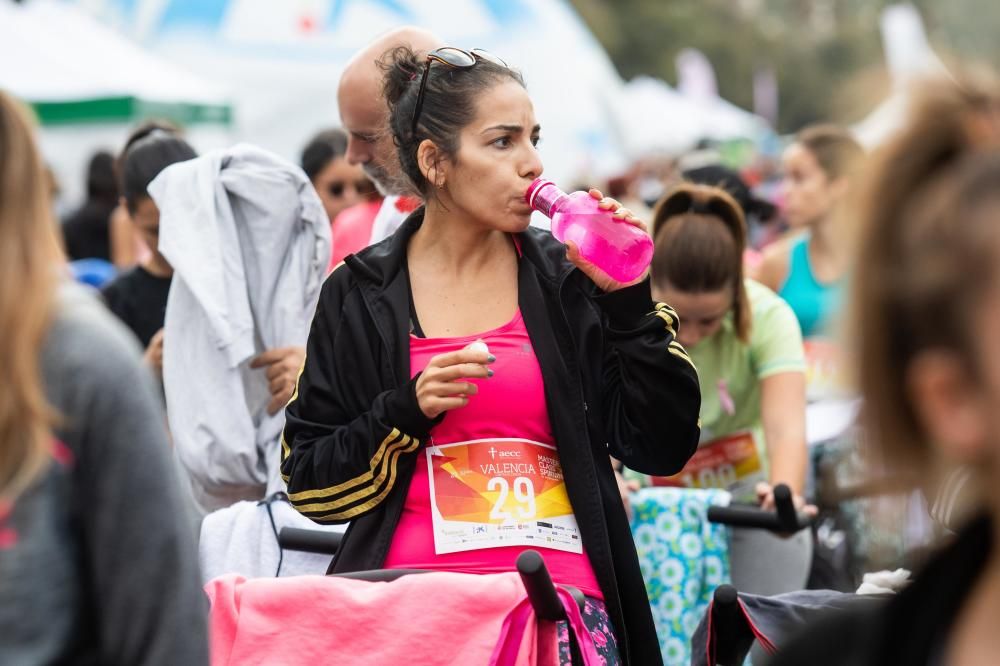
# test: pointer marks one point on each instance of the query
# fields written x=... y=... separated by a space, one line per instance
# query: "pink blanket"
x=433 y=618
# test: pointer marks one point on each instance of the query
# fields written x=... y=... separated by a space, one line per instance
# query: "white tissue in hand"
x=479 y=345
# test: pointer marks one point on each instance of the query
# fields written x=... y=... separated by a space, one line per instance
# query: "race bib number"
x=731 y=462
x=491 y=493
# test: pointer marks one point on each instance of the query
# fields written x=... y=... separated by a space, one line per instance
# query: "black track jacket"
x=616 y=382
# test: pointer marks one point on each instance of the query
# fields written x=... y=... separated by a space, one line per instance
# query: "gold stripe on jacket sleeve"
x=298 y=378
x=677 y=350
x=665 y=316
x=364 y=477
x=285 y=451
x=670 y=312
x=663 y=307
x=373 y=502
x=395 y=450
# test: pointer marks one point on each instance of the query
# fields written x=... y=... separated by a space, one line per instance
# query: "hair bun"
x=402 y=67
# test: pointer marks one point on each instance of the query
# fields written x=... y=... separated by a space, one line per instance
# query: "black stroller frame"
x=730 y=647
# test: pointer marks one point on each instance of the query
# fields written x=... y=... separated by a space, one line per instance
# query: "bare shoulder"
x=772 y=271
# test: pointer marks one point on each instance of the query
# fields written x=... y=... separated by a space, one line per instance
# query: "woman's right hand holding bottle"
x=444 y=385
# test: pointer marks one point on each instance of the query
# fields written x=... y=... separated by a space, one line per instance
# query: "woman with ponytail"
x=926 y=308
x=746 y=344
x=95 y=565
x=743 y=338
x=468 y=378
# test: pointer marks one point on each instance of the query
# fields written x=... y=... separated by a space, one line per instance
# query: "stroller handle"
x=310 y=541
x=730 y=643
x=538 y=585
x=784 y=518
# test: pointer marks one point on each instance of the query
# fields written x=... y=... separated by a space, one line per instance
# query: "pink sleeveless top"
x=509 y=406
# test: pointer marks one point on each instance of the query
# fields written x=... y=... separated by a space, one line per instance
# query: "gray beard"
x=388 y=185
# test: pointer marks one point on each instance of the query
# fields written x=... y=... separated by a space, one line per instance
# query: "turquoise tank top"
x=812 y=302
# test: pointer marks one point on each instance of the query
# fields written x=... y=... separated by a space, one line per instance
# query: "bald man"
x=365 y=114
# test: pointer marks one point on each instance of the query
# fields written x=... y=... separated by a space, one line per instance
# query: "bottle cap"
x=533 y=190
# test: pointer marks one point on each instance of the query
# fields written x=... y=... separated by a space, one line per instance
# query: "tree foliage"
x=827 y=54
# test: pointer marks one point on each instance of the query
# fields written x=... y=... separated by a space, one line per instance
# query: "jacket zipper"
x=600 y=506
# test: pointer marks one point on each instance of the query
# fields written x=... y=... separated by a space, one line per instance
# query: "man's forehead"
x=362 y=107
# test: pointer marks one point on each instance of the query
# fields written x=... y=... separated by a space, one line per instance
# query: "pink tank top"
x=509 y=407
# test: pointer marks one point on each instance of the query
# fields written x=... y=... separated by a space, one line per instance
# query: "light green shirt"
x=729 y=367
x=730 y=372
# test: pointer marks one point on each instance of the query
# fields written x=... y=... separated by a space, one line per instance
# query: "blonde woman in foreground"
x=927 y=308
x=95 y=565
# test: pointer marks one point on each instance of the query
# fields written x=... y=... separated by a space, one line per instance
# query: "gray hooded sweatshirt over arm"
x=96 y=563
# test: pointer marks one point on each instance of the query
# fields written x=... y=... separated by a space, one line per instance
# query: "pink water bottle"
x=616 y=247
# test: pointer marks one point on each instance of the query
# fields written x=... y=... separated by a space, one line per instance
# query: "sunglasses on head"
x=362 y=186
x=455 y=58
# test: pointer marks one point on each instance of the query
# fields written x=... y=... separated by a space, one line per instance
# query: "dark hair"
x=147 y=127
x=322 y=149
x=449 y=103
x=700 y=235
x=101 y=184
x=730 y=180
x=145 y=158
x=839 y=154
x=140 y=132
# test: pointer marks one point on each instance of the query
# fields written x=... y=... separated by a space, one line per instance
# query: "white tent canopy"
x=658 y=119
x=66 y=57
x=283 y=61
x=89 y=85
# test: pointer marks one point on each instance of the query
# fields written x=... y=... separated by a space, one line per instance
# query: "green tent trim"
x=130 y=110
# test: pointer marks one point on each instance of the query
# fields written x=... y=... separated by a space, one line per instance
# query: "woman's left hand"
x=599 y=277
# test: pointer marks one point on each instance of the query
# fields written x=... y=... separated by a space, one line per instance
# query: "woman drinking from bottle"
x=467 y=379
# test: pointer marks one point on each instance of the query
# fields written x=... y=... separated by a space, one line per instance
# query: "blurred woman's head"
x=140 y=132
x=818 y=168
x=927 y=288
x=101 y=185
x=29 y=270
x=339 y=183
x=142 y=160
x=467 y=141
x=700 y=235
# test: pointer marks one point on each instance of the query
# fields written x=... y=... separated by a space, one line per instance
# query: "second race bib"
x=731 y=462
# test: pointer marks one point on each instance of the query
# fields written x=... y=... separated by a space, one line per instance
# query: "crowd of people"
x=361 y=335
